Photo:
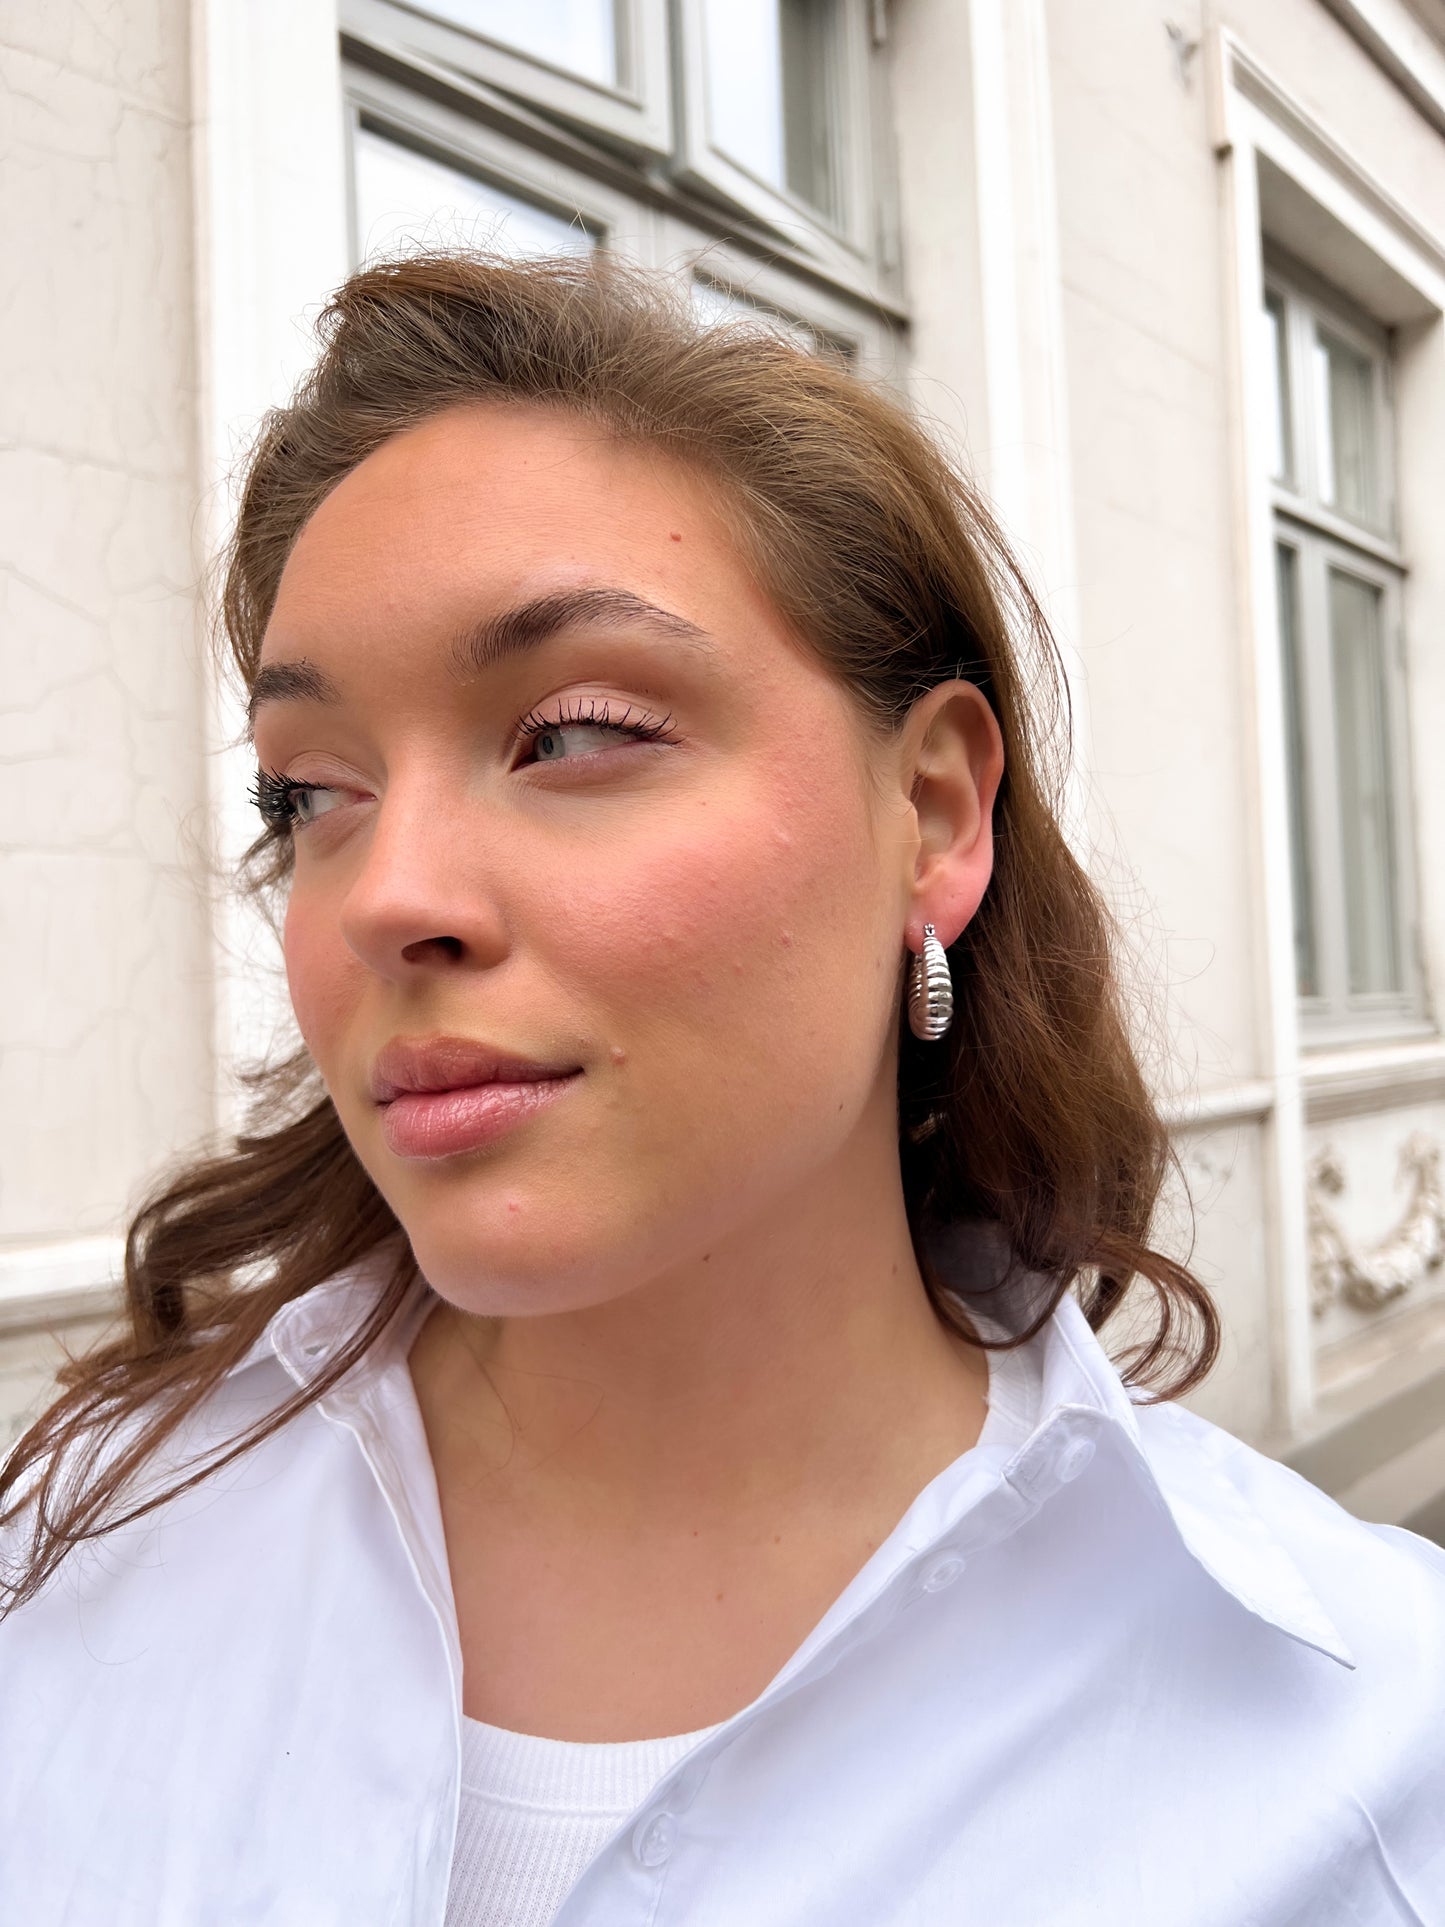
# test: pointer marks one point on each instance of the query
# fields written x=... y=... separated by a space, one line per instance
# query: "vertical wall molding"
x=269 y=180
x=1029 y=457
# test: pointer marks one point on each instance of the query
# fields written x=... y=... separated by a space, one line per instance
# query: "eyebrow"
x=494 y=639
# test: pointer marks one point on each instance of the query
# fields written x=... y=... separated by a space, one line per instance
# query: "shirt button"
x=942 y=1573
x=1074 y=1457
x=654 y=1839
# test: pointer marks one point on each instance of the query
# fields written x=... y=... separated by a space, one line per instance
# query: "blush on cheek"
x=717 y=911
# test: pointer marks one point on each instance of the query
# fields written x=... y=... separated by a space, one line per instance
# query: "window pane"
x=1282 y=438
x=1305 y=956
x=405 y=199
x=1345 y=406
x=580 y=36
x=1363 y=749
x=772 y=92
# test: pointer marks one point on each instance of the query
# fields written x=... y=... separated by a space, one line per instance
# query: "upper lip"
x=452 y=1063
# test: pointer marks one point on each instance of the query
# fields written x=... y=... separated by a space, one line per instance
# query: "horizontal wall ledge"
x=1374 y=1077
x=1247 y=1102
x=52 y=1284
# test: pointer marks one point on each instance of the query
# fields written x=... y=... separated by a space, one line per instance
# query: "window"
x=1338 y=576
x=775 y=114
x=730 y=140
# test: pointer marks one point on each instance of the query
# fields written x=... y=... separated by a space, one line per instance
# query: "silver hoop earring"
x=930 y=990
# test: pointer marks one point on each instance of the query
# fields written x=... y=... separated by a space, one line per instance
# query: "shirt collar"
x=308 y=1331
x=1185 y=1459
x=1073 y=1387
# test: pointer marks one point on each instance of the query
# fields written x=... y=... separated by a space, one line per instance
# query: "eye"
x=286 y=805
x=585 y=729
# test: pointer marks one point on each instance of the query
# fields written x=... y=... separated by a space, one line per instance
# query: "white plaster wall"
x=104 y=963
x=1224 y=1243
x=1142 y=267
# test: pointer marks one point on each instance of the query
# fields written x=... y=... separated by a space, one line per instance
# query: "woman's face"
x=702 y=925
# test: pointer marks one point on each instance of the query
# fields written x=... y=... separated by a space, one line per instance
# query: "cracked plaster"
x=105 y=1070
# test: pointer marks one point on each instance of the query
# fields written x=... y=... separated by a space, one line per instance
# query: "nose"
x=425 y=896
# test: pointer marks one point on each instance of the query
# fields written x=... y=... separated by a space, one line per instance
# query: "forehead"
x=501 y=490
x=454 y=525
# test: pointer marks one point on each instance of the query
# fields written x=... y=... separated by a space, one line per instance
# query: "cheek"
x=322 y=975
x=752 y=912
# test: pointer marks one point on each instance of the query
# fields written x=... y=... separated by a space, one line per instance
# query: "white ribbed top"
x=535 y=1812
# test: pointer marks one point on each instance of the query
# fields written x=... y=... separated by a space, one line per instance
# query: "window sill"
x=1344 y=1081
x=43 y=1285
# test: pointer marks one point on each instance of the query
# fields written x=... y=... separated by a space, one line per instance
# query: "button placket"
x=654 y=1838
x=942 y=1572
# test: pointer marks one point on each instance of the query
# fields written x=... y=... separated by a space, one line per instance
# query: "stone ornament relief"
x=1369 y=1279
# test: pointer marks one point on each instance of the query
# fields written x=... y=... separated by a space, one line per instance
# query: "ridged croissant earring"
x=930 y=990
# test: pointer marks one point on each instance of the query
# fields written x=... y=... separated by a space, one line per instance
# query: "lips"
x=432 y=1064
x=441 y=1096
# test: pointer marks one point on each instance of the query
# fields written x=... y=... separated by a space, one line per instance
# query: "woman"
x=624 y=1436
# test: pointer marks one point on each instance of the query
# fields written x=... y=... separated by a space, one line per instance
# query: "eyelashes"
x=274 y=797
x=280 y=799
x=595 y=713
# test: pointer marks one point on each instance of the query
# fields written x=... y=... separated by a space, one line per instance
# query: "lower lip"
x=438 y=1124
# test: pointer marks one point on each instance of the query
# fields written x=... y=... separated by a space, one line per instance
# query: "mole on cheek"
x=674 y=537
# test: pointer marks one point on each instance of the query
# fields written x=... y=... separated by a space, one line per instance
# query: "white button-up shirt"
x=1127 y=1672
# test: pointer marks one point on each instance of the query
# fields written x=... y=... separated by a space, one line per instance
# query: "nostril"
x=417 y=952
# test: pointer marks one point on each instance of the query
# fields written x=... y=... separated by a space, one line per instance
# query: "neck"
x=798 y=1356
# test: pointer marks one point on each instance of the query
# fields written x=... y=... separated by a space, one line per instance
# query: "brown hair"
x=889 y=562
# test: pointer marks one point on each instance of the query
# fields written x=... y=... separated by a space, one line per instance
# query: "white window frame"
x=459 y=141
x=670 y=165
x=1334 y=1014
x=1322 y=536
x=842 y=243
x=1310 y=304
x=653 y=227
x=636 y=114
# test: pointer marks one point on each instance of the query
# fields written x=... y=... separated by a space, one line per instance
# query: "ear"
x=953 y=761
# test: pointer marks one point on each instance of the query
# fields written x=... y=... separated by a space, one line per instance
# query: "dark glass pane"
x=1348 y=430
x=1301 y=873
x=1281 y=427
x=772 y=93
x=1363 y=750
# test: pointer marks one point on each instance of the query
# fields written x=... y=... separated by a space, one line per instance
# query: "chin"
x=509 y=1272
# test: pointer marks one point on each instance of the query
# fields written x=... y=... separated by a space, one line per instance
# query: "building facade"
x=1170 y=280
